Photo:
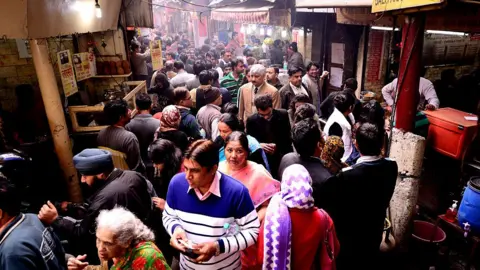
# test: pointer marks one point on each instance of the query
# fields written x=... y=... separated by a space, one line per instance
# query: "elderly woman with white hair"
x=257 y=86
x=125 y=240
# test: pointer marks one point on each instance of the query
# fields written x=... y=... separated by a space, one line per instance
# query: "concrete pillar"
x=55 y=115
x=409 y=71
x=407 y=149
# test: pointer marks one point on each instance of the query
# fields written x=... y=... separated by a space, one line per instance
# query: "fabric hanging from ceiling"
x=260 y=17
x=138 y=13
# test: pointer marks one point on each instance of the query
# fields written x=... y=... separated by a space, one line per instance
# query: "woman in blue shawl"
x=229 y=123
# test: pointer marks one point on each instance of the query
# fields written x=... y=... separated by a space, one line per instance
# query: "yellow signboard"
x=386 y=5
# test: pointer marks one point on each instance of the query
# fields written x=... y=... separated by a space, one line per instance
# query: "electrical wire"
x=159 y=5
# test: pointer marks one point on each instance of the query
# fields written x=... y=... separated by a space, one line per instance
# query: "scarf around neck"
x=296 y=192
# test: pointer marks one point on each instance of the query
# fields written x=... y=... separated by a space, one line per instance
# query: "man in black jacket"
x=114 y=187
x=357 y=200
x=25 y=243
x=293 y=88
x=271 y=128
x=307 y=140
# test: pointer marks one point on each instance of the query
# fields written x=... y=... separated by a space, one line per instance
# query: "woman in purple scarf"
x=297 y=235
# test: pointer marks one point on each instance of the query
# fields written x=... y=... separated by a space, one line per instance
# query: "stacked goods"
x=113 y=68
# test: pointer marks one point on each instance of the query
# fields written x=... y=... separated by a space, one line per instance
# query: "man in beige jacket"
x=257 y=86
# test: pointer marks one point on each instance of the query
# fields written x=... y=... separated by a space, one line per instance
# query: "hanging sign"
x=67 y=75
x=84 y=64
x=156 y=54
x=387 y=5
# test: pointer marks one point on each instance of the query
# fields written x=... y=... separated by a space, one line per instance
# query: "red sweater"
x=307 y=235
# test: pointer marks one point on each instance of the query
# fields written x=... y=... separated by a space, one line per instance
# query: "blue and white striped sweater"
x=203 y=221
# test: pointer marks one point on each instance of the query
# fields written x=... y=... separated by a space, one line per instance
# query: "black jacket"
x=276 y=130
x=327 y=107
x=122 y=188
x=276 y=56
x=287 y=94
x=357 y=200
x=315 y=168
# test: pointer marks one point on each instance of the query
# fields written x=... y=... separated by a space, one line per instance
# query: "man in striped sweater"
x=210 y=209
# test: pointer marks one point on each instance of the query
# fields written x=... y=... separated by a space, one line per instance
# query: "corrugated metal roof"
x=332 y=3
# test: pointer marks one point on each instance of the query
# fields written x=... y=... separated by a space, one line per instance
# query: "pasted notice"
x=67 y=75
x=156 y=54
x=336 y=77
x=443 y=50
x=84 y=64
x=338 y=53
x=375 y=56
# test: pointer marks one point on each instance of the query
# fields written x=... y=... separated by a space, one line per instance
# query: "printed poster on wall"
x=156 y=54
x=84 y=64
x=67 y=75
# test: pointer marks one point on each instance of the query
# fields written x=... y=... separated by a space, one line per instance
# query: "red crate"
x=449 y=132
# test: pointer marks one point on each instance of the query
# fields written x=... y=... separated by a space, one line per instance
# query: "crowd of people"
x=220 y=172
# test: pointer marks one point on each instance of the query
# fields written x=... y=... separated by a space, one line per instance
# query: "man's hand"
x=159 y=203
x=48 y=213
x=76 y=263
x=206 y=251
x=178 y=234
x=268 y=148
x=430 y=107
x=64 y=206
x=324 y=74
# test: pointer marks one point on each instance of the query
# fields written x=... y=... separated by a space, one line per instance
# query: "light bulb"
x=242 y=29
x=253 y=26
x=98 y=11
x=284 y=33
x=269 y=31
x=262 y=31
x=249 y=30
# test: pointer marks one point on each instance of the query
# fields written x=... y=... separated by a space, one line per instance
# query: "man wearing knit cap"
x=294 y=58
x=209 y=114
x=113 y=187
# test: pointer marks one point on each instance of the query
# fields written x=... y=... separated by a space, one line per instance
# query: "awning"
x=260 y=12
x=50 y=18
x=332 y=3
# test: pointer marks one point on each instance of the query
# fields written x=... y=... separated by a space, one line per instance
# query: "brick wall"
x=376 y=64
x=13 y=71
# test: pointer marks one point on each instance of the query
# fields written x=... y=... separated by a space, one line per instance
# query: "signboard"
x=444 y=50
x=84 y=64
x=67 y=75
x=156 y=54
x=387 y=5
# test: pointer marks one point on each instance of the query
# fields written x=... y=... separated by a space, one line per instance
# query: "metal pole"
x=55 y=115
x=409 y=72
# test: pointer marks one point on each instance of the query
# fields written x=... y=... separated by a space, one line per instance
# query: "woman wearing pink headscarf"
x=169 y=123
x=297 y=235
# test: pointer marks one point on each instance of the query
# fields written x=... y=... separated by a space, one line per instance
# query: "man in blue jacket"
x=25 y=243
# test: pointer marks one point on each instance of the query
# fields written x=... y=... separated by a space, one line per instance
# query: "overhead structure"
x=51 y=18
x=253 y=12
x=332 y=3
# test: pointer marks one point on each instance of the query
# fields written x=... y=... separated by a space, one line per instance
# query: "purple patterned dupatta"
x=296 y=192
